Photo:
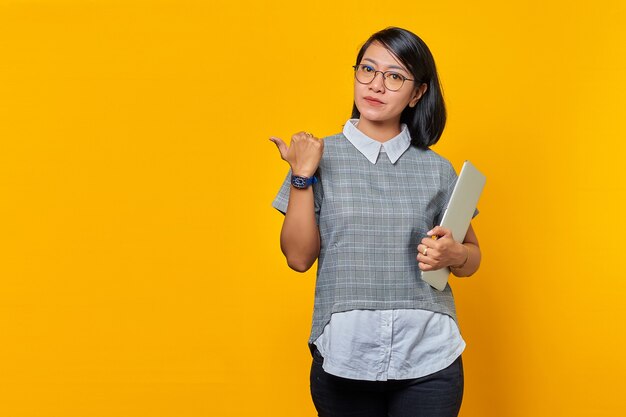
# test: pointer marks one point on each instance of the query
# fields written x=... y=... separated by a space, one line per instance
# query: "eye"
x=366 y=68
x=395 y=76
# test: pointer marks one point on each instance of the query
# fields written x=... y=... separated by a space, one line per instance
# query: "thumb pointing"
x=282 y=146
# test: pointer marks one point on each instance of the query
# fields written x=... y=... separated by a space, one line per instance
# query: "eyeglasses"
x=392 y=80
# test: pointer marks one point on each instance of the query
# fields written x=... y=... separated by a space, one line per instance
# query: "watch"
x=302 y=182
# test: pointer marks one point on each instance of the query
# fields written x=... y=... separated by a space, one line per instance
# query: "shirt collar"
x=371 y=148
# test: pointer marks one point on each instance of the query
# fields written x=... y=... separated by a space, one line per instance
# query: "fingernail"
x=430 y=232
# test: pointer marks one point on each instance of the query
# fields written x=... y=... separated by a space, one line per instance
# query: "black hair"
x=427 y=119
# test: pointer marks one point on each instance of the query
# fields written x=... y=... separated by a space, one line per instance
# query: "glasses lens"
x=393 y=81
x=364 y=73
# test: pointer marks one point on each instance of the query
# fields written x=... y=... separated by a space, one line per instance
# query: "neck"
x=379 y=131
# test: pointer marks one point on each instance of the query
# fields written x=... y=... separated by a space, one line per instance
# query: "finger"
x=439 y=231
x=316 y=139
x=421 y=258
x=421 y=248
x=431 y=257
x=282 y=146
x=431 y=243
x=305 y=135
x=424 y=267
x=299 y=136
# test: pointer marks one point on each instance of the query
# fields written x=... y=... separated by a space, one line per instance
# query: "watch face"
x=299 y=182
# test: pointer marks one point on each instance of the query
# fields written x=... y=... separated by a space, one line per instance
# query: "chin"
x=373 y=116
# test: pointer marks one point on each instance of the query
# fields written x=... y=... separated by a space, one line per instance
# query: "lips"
x=373 y=100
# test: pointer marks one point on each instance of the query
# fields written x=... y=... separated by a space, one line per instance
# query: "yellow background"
x=140 y=269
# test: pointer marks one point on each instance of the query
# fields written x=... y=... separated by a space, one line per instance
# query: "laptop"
x=458 y=215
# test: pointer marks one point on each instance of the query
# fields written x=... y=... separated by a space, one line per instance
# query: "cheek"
x=403 y=101
x=358 y=93
x=359 y=89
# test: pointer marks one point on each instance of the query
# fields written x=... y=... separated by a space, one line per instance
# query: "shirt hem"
x=375 y=376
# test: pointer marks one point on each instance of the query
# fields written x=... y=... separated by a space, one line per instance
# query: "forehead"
x=377 y=54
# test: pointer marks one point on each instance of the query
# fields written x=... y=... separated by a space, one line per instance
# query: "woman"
x=365 y=204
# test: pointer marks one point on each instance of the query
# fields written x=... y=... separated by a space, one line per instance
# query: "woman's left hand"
x=444 y=251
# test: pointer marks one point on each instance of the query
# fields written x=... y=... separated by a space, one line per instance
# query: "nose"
x=378 y=84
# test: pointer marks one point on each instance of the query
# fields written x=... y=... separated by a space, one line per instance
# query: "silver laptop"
x=458 y=215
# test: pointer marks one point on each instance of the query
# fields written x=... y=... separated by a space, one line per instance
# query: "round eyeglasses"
x=365 y=74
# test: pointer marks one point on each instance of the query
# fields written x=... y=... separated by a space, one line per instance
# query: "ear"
x=419 y=92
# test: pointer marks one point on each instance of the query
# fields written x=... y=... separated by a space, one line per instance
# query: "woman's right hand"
x=303 y=154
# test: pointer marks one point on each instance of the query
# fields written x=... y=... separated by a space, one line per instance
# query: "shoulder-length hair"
x=427 y=119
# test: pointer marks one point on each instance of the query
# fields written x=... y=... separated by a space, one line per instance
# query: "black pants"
x=436 y=395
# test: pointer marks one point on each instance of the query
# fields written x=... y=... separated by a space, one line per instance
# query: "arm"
x=473 y=256
x=445 y=251
x=299 y=236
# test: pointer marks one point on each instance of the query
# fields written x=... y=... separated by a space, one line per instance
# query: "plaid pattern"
x=371 y=218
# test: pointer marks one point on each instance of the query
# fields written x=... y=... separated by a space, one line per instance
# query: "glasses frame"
x=356 y=69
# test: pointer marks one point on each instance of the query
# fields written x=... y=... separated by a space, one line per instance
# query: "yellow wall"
x=140 y=270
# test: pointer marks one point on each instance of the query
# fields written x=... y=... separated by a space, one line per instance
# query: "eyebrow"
x=391 y=66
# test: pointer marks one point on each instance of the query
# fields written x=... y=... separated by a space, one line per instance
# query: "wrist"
x=465 y=258
x=302 y=172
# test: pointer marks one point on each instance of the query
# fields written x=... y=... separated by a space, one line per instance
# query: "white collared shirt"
x=371 y=148
x=378 y=345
